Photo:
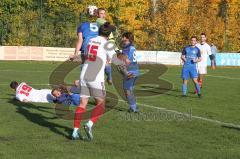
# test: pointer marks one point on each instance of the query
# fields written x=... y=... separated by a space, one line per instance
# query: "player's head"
x=101 y=13
x=76 y=83
x=203 y=37
x=56 y=92
x=92 y=10
x=14 y=85
x=194 y=40
x=106 y=29
x=127 y=38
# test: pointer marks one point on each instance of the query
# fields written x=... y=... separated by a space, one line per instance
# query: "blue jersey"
x=191 y=53
x=130 y=51
x=69 y=99
x=88 y=30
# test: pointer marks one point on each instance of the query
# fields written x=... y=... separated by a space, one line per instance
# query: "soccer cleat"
x=133 y=111
x=195 y=91
x=199 y=95
x=109 y=82
x=76 y=135
x=88 y=131
x=184 y=95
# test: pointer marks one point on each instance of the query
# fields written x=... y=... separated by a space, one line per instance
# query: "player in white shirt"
x=92 y=80
x=205 y=50
x=26 y=93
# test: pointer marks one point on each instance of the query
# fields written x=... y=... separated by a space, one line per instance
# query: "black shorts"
x=212 y=57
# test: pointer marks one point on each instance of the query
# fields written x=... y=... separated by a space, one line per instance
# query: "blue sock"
x=132 y=101
x=184 y=89
x=198 y=88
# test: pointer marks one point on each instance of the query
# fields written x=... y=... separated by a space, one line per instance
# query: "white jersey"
x=205 y=50
x=93 y=67
x=26 y=93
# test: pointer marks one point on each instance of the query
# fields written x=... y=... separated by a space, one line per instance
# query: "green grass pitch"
x=33 y=130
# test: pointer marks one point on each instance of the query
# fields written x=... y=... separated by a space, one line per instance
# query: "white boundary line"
x=214 y=76
x=222 y=123
x=231 y=78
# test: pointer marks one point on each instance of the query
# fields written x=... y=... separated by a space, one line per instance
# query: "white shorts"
x=202 y=70
x=92 y=89
x=43 y=96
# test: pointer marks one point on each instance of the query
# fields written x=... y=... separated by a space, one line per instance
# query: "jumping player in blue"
x=85 y=32
x=132 y=70
x=190 y=56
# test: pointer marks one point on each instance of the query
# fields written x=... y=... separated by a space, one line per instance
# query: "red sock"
x=200 y=83
x=97 y=112
x=78 y=116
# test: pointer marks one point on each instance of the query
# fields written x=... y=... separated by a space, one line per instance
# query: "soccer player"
x=190 y=56
x=64 y=97
x=132 y=70
x=85 y=32
x=205 y=52
x=92 y=80
x=26 y=93
x=214 y=51
x=101 y=13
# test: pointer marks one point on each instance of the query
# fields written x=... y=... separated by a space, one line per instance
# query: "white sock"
x=90 y=123
x=75 y=129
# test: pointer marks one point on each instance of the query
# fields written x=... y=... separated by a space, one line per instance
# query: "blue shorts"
x=75 y=99
x=128 y=83
x=192 y=71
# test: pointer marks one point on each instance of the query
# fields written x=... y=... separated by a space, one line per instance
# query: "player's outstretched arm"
x=121 y=61
x=79 y=43
x=183 y=58
x=78 y=46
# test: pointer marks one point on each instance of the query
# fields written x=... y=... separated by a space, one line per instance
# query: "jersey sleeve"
x=198 y=52
x=81 y=27
x=184 y=51
x=110 y=54
x=209 y=51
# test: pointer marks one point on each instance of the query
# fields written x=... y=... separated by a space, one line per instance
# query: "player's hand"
x=194 y=60
x=130 y=75
x=121 y=56
x=72 y=57
x=127 y=61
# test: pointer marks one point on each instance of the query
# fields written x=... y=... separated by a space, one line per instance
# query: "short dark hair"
x=129 y=35
x=61 y=88
x=13 y=85
x=106 y=29
x=99 y=9
x=204 y=34
x=194 y=37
